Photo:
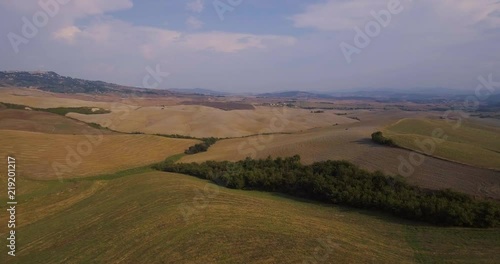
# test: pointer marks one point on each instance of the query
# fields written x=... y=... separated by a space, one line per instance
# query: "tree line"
x=379 y=138
x=341 y=182
x=201 y=147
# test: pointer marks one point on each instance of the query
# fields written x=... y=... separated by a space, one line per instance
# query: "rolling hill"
x=157 y=217
x=53 y=82
x=45 y=156
x=470 y=143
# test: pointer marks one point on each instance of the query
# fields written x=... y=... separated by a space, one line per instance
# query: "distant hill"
x=294 y=94
x=53 y=82
x=198 y=91
x=401 y=94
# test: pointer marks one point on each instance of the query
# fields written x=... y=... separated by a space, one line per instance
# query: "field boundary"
x=441 y=158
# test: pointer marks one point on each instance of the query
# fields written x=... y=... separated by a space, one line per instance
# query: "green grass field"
x=146 y=216
x=470 y=143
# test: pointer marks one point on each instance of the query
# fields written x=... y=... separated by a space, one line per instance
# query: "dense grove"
x=81 y=110
x=340 y=182
x=379 y=138
x=201 y=147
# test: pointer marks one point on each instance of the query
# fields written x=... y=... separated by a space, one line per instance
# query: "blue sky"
x=259 y=45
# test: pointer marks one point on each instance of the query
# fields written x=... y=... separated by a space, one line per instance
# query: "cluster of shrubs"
x=61 y=110
x=81 y=110
x=13 y=106
x=175 y=136
x=379 y=138
x=340 y=182
x=201 y=147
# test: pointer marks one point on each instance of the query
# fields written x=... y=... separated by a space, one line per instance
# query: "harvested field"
x=470 y=143
x=353 y=143
x=41 y=99
x=151 y=207
x=42 y=156
x=226 y=106
x=36 y=121
x=202 y=121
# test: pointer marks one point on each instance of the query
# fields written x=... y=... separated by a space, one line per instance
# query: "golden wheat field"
x=36 y=121
x=41 y=99
x=51 y=156
x=104 y=175
x=155 y=116
x=202 y=121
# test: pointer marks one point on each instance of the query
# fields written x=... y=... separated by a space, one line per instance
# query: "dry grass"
x=201 y=121
x=138 y=219
x=41 y=99
x=354 y=144
x=43 y=122
x=37 y=152
x=471 y=143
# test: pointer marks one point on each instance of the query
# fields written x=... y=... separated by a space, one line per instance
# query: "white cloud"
x=67 y=33
x=233 y=42
x=107 y=33
x=95 y=7
x=194 y=23
x=347 y=14
x=337 y=15
x=470 y=13
x=152 y=41
x=196 y=6
x=431 y=43
x=72 y=9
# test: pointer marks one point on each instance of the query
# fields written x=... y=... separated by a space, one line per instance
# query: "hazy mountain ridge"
x=198 y=91
x=53 y=82
x=294 y=94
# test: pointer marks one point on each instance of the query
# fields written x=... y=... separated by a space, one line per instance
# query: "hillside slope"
x=159 y=217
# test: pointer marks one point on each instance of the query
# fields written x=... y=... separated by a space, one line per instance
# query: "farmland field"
x=36 y=121
x=111 y=207
x=352 y=143
x=41 y=99
x=84 y=155
x=202 y=121
x=154 y=216
x=267 y=132
x=468 y=143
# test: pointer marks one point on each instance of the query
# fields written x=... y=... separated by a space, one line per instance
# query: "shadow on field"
x=366 y=142
x=378 y=215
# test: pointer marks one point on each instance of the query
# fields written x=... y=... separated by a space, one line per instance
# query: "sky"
x=257 y=45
